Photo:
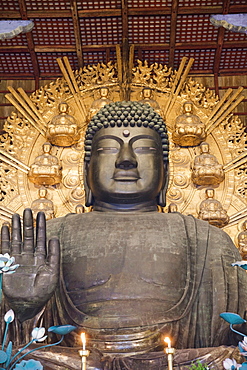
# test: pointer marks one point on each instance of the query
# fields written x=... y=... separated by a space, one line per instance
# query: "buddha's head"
x=147 y=93
x=63 y=107
x=42 y=192
x=126 y=157
x=104 y=92
x=46 y=147
x=204 y=147
x=188 y=107
x=209 y=193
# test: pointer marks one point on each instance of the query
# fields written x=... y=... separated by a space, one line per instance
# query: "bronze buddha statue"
x=129 y=274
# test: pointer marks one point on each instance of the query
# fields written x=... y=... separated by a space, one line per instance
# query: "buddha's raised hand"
x=33 y=283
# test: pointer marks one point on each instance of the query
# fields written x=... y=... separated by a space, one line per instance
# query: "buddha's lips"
x=126 y=175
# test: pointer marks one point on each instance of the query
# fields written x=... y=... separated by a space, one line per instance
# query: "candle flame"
x=168 y=341
x=83 y=339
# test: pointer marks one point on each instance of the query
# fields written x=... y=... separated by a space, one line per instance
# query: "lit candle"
x=169 y=351
x=83 y=339
x=83 y=352
x=168 y=341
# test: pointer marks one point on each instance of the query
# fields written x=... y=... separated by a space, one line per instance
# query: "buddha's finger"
x=16 y=235
x=5 y=240
x=40 y=250
x=28 y=232
x=53 y=259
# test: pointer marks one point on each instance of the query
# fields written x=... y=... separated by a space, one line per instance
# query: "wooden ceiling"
x=87 y=32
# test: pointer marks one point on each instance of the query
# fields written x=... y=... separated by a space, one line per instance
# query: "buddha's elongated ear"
x=161 y=198
x=89 y=199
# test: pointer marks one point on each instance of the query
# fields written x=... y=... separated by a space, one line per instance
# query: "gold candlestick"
x=84 y=354
x=170 y=352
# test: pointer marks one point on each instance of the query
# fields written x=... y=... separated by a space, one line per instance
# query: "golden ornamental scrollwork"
x=82 y=92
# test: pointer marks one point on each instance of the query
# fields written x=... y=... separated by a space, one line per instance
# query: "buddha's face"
x=46 y=147
x=63 y=107
x=210 y=193
x=188 y=107
x=126 y=165
x=42 y=193
x=104 y=92
x=204 y=147
x=147 y=93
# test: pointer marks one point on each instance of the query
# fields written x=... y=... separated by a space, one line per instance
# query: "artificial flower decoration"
x=7 y=265
x=29 y=365
x=231 y=364
x=242 y=264
x=9 y=316
x=38 y=334
x=62 y=329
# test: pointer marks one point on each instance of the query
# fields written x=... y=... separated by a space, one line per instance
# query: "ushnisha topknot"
x=126 y=114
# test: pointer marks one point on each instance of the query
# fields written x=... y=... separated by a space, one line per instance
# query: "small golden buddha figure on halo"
x=211 y=210
x=99 y=103
x=80 y=209
x=147 y=98
x=63 y=130
x=242 y=241
x=172 y=208
x=188 y=130
x=43 y=204
x=46 y=169
x=206 y=169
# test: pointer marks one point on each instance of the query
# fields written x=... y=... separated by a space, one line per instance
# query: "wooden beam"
x=139 y=47
x=76 y=24
x=220 y=40
x=216 y=84
x=99 y=13
x=30 y=44
x=125 y=51
x=174 y=14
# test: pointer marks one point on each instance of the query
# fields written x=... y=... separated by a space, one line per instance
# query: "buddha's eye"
x=108 y=150
x=144 y=149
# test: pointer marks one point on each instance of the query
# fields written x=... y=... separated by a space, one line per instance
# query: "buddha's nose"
x=126 y=158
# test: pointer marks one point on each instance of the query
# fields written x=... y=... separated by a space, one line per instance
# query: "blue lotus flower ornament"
x=242 y=264
x=62 y=329
x=7 y=265
x=29 y=365
x=230 y=364
x=38 y=334
x=9 y=316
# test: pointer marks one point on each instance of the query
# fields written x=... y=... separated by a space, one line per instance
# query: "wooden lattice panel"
x=10 y=63
x=101 y=31
x=9 y=5
x=188 y=24
x=155 y=56
x=47 y=5
x=151 y=29
x=234 y=36
x=148 y=3
x=48 y=63
x=191 y=3
x=204 y=58
x=233 y=58
x=238 y=2
x=94 y=57
x=99 y=4
x=54 y=31
x=19 y=40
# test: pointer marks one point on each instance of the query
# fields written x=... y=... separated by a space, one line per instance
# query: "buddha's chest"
x=123 y=257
